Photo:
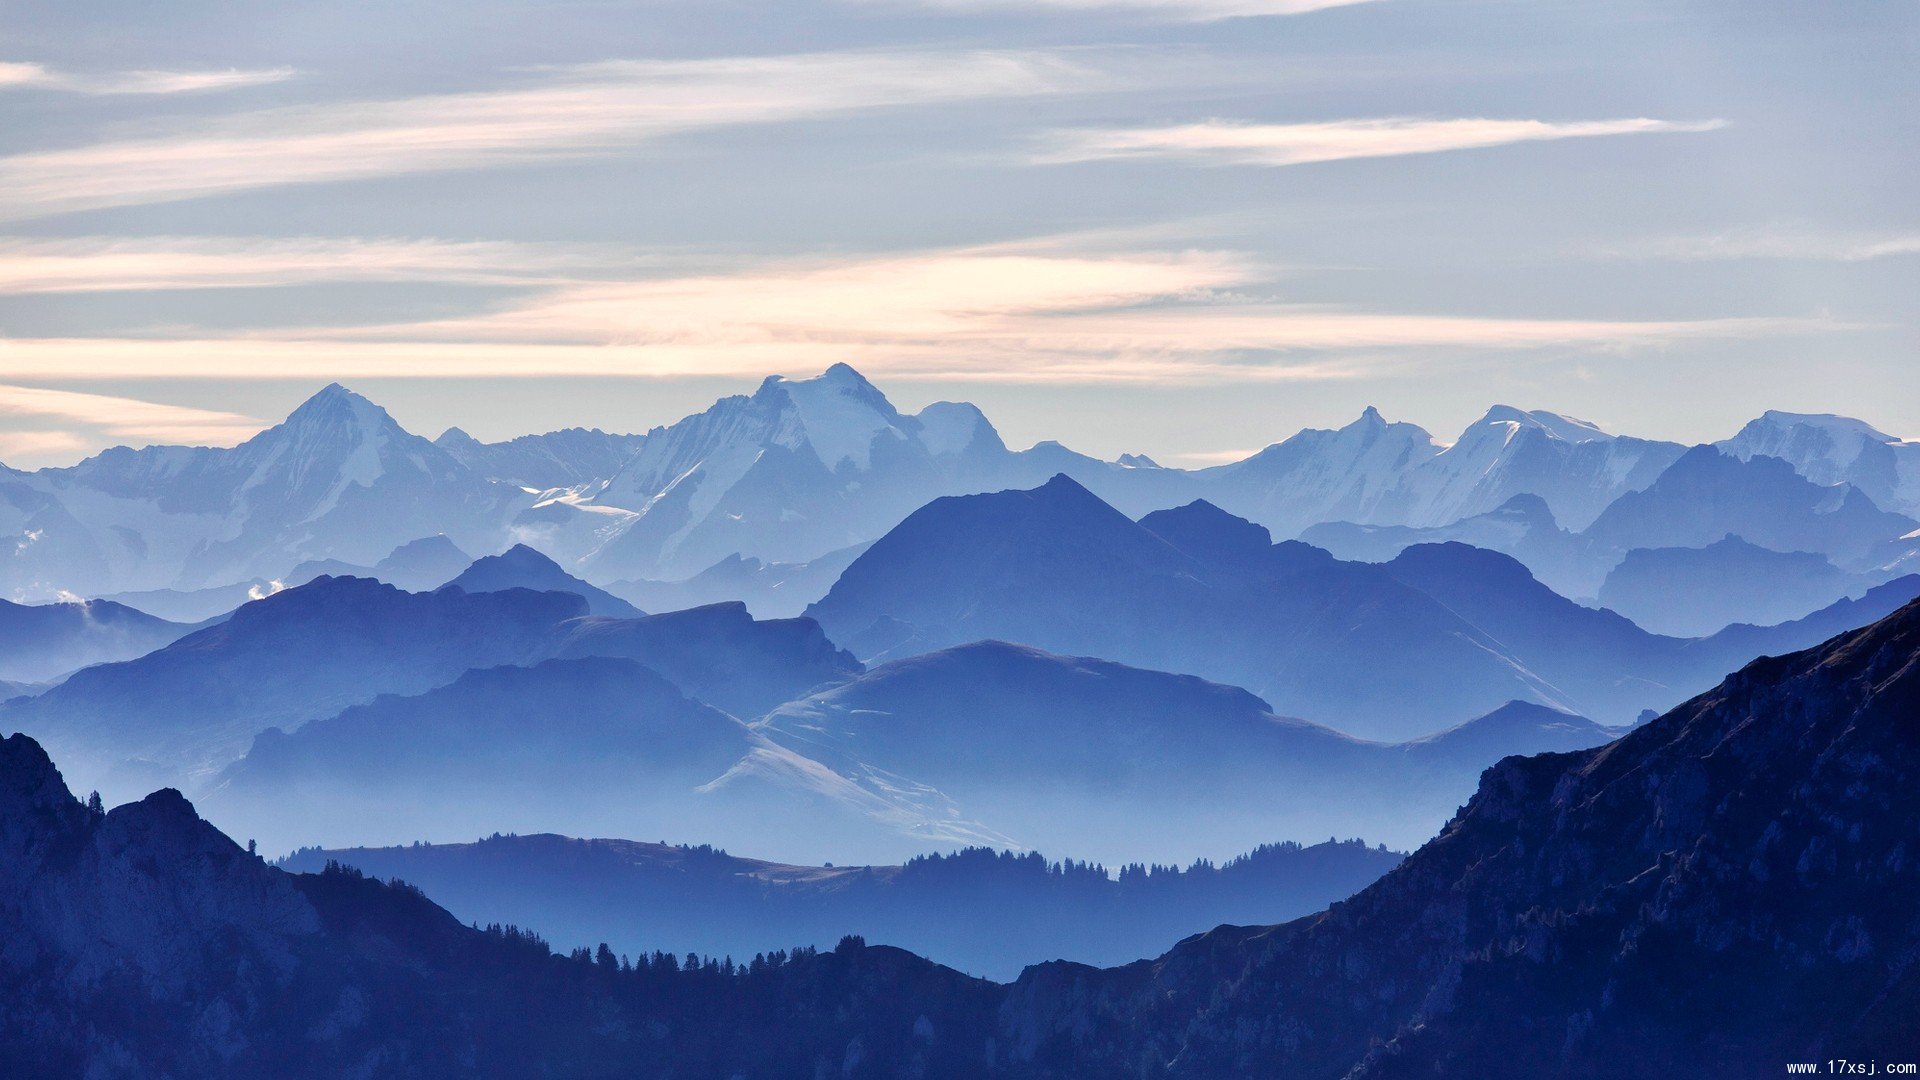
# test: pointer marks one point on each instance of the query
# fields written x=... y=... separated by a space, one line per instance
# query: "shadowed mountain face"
x=983 y=912
x=1717 y=893
x=521 y=567
x=41 y=642
x=1191 y=590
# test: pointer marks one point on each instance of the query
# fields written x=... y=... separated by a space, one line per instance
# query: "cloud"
x=1220 y=142
x=1034 y=312
x=1811 y=245
x=36 y=446
x=119 y=418
x=105 y=264
x=15 y=74
x=1196 y=10
x=563 y=113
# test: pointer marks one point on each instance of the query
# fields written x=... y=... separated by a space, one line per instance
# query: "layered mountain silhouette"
x=39 y=642
x=1392 y=651
x=769 y=590
x=416 y=566
x=298 y=655
x=1057 y=568
x=521 y=567
x=1071 y=753
x=143 y=942
x=1692 y=592
x=719 y=653
x=1716 y=893
x=984 y=912
x=588 y=744
x=1721 y=892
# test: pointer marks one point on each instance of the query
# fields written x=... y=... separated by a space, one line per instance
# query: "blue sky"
x=1186 y=227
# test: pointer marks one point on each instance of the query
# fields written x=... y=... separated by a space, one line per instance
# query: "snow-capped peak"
x=838 y=412
x=1565 y=428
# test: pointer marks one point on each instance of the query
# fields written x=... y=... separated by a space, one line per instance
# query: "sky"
x=1180 y=227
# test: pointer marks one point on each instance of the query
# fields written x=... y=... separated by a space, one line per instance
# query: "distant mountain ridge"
x=794 y=471
x=984 y=912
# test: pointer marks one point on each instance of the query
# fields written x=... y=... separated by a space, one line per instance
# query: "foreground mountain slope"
x=143 y=943
x=1718 y=893
x=984 y=912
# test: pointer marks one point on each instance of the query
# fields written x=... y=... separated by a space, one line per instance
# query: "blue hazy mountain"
x=1707 y=495
x=769 y=590
x=1072 y=753
x=298 y=655
x=1695 y=591
x=1718 y=892
x=593 y=743
x=521 y=567
x=1055 y=567
x=39 y=642
x=984 y=912
x=1523 y=527
x=719 y=654
x=416 y=566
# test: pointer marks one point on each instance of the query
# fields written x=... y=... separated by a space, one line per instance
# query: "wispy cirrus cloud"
x=1221 y=142
x=24 y=75
x=1043 y=311
x=44 y=423
x=113 y=264
x=1813 y=245
x=557 y=114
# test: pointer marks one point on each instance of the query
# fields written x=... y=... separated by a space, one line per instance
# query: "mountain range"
x=1720 y=892
x=1390 y=651
x=803 y=470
